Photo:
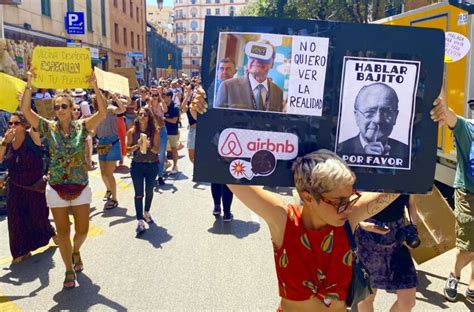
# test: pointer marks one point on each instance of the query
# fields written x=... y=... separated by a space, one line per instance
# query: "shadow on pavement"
x=434 y=297
x=166 y=187
x=156 y=235
x=83 y=297
x=29 y=270
x=198 y=184
x=176 y=176
x=238 y=228
x=119 y=212
x=122 y=170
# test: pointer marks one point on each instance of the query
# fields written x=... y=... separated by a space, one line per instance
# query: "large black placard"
x=328 y=75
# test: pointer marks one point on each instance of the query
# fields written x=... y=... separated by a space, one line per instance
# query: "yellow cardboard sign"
x=9 y=86
x=61 y=68
x=112 y=82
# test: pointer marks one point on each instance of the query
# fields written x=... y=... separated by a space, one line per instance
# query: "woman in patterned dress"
x=67 y=175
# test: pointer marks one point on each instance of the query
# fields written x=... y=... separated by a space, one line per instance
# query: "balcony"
x=180 y=29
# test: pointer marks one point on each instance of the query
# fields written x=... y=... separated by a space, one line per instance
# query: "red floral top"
x=313 y=263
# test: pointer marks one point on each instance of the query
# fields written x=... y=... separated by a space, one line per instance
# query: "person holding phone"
x=143 y=140
x=385 y=254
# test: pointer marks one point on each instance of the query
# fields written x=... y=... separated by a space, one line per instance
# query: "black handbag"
x=359 y=288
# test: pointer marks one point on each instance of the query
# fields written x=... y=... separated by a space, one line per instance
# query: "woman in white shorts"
x=67 y=173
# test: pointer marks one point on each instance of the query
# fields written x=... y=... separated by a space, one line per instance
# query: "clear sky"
x=165 y=2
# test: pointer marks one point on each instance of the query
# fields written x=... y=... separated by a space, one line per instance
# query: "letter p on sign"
x=72 y=18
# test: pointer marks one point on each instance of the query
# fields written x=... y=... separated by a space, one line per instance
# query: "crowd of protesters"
x=313 y=242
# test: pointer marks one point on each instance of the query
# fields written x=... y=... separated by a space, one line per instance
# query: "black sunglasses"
x=16 y=123
x=62 y=106
x=143 y=115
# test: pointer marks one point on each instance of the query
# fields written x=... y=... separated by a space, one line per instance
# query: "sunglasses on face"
x=143 y=115
x=14 y=123
x=342 y=206
x=62 y=106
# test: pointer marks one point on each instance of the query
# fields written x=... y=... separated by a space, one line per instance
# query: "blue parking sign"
x=74 y=22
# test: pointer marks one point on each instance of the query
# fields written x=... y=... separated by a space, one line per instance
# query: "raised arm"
x=94 y=120
x=369 y=205
x=120 y=108
x=7 y=139
x=25 y=107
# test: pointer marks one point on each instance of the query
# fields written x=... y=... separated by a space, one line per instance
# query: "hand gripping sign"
x=263 y=148
x=278 y=89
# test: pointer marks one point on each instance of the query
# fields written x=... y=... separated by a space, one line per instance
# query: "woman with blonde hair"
x=68 y=181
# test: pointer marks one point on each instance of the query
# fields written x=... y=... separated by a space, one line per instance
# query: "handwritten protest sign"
x=279 y=89
x=456 y=47
x=45 y=108
x=129 y=73
x=61 y=68
x=9 y=86
x=112 y=82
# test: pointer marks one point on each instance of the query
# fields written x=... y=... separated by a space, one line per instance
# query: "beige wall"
x=30 y=12
x=124 y=20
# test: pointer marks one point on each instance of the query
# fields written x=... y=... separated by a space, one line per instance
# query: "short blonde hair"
x=320 y=172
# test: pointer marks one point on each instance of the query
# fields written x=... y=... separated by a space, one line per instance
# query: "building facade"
x=166 y=57
x=36 y=22
x=162 y=21
x=127 y=29
x=189 y=18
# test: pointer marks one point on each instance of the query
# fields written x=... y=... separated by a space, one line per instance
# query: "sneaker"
x=147 y=217
x=228 y=217
x=161 y=181
x=470 y=295
x=450 y=289
x=174 y=170
x=217 y=210
x=140 y=227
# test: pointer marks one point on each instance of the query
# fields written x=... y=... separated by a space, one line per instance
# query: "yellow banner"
x=112 y=82
x=9 y=86
x=61 y=68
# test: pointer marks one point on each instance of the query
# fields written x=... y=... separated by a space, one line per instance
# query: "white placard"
x=456 y=47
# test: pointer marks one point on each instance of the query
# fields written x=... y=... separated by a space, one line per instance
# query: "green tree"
x=359 y=11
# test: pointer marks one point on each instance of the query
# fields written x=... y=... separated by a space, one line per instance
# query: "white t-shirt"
x=85 y=109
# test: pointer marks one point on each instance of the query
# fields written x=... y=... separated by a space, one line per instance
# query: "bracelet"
x=29 y=88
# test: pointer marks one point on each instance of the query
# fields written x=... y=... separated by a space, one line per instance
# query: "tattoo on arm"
x=380 y=203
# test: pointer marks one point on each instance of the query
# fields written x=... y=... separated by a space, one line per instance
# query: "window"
x=218 y=1
x=124 y=7
x=218 y=11
x=193 y=1
x=117 y=63
x=132 y=39
x=231 y=1
x=131 y=9
x=102 y=17
x=138 y=13
x=46 y=7
x=194 y=38
x=89 y=15
x=116 y=32
x=70 y=5
x=115 y=3
x=231 y=11
x=194 y=51
x=208 y=12
x=194 y=24
x=124 y=36
x=193 y=12
x=138 y=43
x=208 y=1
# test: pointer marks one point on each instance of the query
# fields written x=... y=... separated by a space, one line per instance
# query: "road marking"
x=6 y=305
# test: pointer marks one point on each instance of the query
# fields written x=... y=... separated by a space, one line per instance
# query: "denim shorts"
x=115 y=152
x=191 y=138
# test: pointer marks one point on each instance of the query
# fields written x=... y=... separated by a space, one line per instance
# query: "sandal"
x=111 y=204
x=107 y=196
x=70 y=280
x=78 y=265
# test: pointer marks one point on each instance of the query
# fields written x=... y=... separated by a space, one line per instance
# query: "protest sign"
x=377 y=88
x=45 y=108
x=246 y=139
x=456 y=46
x=61 y=68
x=112 y=82
x=129 y=73
x=9 y=86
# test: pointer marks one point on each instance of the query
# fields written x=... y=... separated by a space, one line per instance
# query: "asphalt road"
x=187 y=261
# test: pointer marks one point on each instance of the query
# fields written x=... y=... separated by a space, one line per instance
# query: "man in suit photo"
x=376 y=112
x=254 y=91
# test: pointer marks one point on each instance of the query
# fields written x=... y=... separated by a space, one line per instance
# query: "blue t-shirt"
x=463 y=133
x=173 y=111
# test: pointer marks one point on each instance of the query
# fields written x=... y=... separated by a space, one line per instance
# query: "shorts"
x=191 y=138
x=115 y=152
x=464 y=216
x=53 y=199
x=389 y=264
x=173 y=140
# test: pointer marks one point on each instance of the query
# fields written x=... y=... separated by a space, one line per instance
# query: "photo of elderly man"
x=254 y=91
x=376 y=112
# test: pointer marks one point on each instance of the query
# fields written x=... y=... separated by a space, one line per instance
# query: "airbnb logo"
x=244 y=143
x=231 y=146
